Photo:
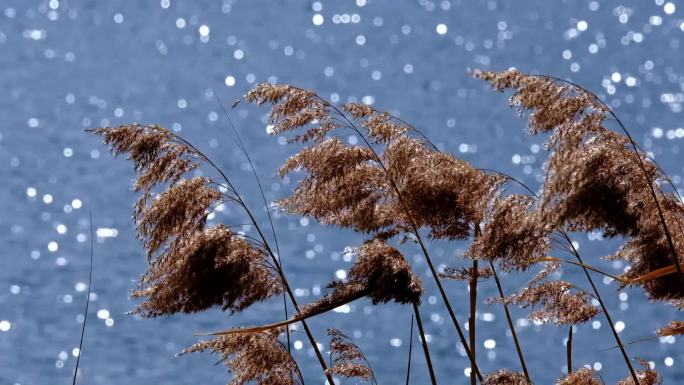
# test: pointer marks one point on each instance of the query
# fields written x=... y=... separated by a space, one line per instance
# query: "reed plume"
x=347 y=359
x=597 y=179
x=672 y=329
x=380 y=273
x=505 y=377
x=647 y=376
x=255 y=358
x=583 y=376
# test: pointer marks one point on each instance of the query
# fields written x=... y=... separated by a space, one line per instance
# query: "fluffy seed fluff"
x=213 y=267
x=561 y=302
x=347 y=359
x=255 y=358
x=505 y=377
x=190 y=268
x=596 y=179
x=647 y=376
x=380 y=273
x=512 y=234
x=391 y=188
x=583 y=376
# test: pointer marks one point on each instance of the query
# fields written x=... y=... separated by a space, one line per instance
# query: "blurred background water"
x=70 y=65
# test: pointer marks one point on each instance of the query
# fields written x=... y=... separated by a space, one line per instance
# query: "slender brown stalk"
x=473 y=313
x=426 y=351
x=609 y=319
x=85 y=313
x=568 y=349
x=410 y=351
x=511 y=326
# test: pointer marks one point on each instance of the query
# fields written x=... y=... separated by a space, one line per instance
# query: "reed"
x=396 y=187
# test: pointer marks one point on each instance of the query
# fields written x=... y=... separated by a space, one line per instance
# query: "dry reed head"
x=254 y=358
x=389 y=189
x=512 y=234
x=347 y=359
x=647 y=376
x=674 y=328
x=342 y=187
x=583 y=376
x=190 y=268
x=440 y=192
x=380 y=273
x=294 y=108
x=561 y=302
x=649 y=250
x=214 y=267
x=156 y=153
x=596 y=180
x=466 y=274
x=176 y=214
x=505 y=377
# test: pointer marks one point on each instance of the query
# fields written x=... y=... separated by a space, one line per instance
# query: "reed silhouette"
x=395 y=186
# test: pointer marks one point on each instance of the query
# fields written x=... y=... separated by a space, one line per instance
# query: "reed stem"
x=473 y=314
x=511 y=326
x=426 y=351
x=568 y=350
x=609 y=319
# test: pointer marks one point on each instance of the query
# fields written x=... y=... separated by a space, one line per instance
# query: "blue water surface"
x=68 y=65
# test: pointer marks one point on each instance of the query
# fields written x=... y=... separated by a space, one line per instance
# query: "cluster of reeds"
x=396 y=186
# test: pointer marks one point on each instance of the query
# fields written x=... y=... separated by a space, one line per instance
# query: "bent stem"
x=518 y=347
x=568 y=350
x=473 y=313
x=85 y=313
x=410 y=351
x=609 y=319
x=426 y=351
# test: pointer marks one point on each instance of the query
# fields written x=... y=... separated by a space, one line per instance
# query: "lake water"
x=70 y=65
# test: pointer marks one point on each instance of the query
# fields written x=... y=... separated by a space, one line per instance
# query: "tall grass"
x=395 y=186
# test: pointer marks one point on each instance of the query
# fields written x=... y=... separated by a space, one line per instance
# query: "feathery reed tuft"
x=512 y=235
x=561 y=302
x=505 y=377
x=674 y=328
x=599 y=180
x=347 y=359
x=583 y=376
x=380 y=273
x=647 y=376
x=254 y=358
x=214 y=267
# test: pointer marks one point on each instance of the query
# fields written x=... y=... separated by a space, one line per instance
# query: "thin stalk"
x=410 y=351
x=243 y=149
x=473 y=313
x=426 y=351
x=419 y=238
x=609 y=319
x=568 y=350
x=270 y=252
x=85 y=314
x=509 y=319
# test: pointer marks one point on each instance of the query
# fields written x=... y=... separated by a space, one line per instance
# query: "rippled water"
x=70 y=65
